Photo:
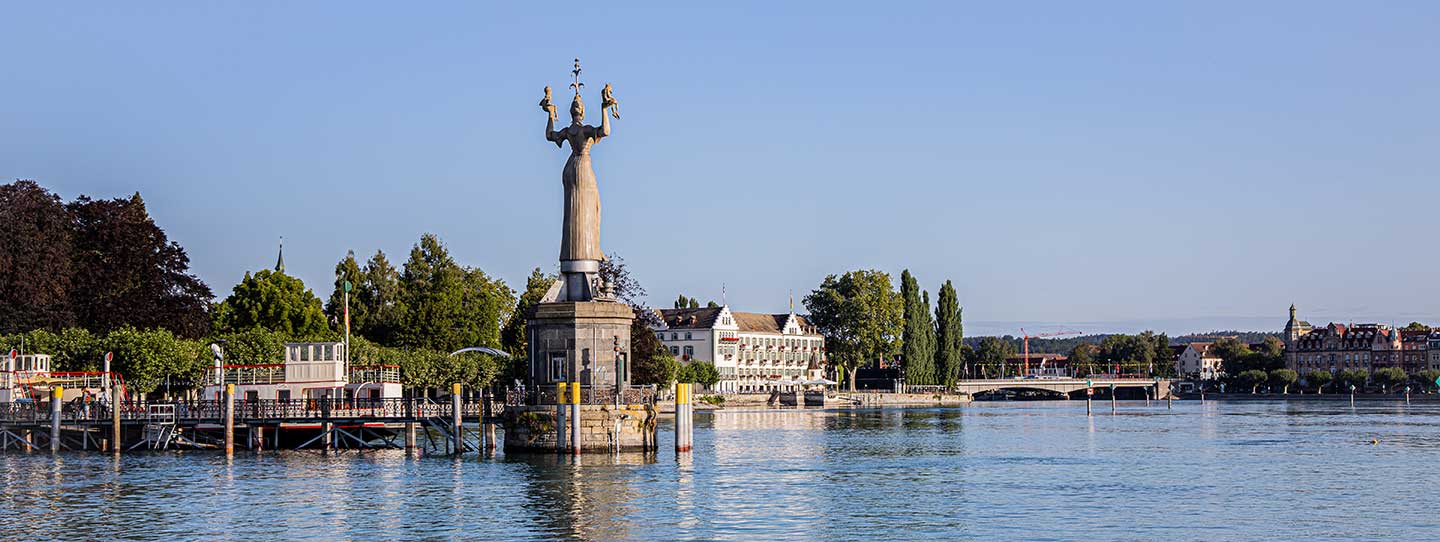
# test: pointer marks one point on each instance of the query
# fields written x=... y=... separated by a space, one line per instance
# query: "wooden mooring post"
x=487 y=427
x=455 y=420
x=409 y=439
x=57 y=400
x=115 y=443
x=229 y=420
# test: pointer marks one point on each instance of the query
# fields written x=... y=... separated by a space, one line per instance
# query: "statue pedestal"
x=575 y=341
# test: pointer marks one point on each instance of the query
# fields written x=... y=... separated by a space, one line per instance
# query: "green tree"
x=915 y=340
x=860 y=315
x=949 y=335
x=1352 y=377
x=699 y=372
x=1389 y=376
x=274 y=301
x=1082 y=359
x=148 y=358
x=513 y=337
x=254 y=346
x=712 y=305
x=448 y=307
x=650 y=361
x=379 y=293
x=1253 y=378
x=1231 y=352
x=348 y=270
x=1319 y=379
x=1417 y=326
x=1283 y=378
x=991 y=354
x=1427 y=377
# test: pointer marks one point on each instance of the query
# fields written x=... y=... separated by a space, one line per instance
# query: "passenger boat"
x=311 y=371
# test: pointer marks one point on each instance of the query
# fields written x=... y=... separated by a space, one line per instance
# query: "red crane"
x=1027 y=337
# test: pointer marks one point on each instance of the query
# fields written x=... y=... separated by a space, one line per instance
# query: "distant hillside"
x=1063 y=345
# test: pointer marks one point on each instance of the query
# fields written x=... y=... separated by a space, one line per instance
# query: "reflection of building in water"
x=569 y=498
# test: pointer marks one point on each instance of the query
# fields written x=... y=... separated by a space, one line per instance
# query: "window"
x=282 y=395
x=674 y=350
x=687 y=335
x=557 y=366
x=689 y=351
x=674 y=336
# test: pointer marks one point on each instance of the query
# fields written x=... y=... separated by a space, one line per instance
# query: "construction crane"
x=1027 y=337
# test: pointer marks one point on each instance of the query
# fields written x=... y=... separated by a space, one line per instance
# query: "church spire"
x=280 y=259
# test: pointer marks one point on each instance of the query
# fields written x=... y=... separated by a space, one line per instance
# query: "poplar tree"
x=915 y=340
x=949 y=335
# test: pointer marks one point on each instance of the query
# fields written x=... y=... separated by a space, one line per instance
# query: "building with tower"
x=1338 y=347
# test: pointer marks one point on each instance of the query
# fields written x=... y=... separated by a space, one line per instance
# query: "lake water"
x=1300 y=470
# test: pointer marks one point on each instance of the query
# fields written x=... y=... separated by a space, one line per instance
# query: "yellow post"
x=576 y=438
x=456 y=420
x=229 y=419
x=574 y=393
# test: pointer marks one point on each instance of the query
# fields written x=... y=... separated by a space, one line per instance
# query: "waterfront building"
x=1199 y=361
x=1414 y=350
x=1432 y=347
x=1337 y=347
x=751 y=351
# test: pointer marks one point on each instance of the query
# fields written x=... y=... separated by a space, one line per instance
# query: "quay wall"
x=533 y=428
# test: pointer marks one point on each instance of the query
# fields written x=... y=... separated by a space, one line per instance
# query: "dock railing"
x=589 y=395
x=262 y=411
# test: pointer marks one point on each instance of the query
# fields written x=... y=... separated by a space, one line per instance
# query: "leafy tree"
x=1253 y=378
x=348 y=270
x=448 y=307
x=1319 y=379
x=916 y=347
x=968 y=359
x=991 y=356
x=683 y=302
x=379 y=293
x=712 y=305
x=127 y=273
x=1082 y=359
x=1283 y=378
x=650 y=361
x=255 y=346
x=273 y=301
x=1352 y=377
x=513 y=337
x=1417 y=326
x=699 y=372
x=35 y=260
x=860 y=315
x=1389 y=376
x=949 y=335
x=1273 y=349
x=1130 y=353
x=1231 y=351
x=1427 y=377
x=148 y=358
x=627 y=288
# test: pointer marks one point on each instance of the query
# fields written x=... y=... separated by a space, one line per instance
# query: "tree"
x=254 y=346
x=1231 y=351
x=916 y=347
x=699 y=372
x=1283 y=378
x=712 y=305
x=35 y=260
x=1428 y=377
x=860 y=315
x=650 y=361
x=627 y=288
x=1319 y=379
x=447 y=307
x=273 y=301
x=348 y=270
x=689 y=303
x=1416 y=326
x=1353 y=377
x=127 y=273
x=513 y=337
x=949 y=335
x=991 y=355
x=1082 y=359
x=1389 y=376
x=1253 y=378
x=379 y=293
x=149 y=358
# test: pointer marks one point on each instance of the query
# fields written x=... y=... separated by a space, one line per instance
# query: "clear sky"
x=1067 y=162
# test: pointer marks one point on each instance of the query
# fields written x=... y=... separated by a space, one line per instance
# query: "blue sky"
x=1118 y=164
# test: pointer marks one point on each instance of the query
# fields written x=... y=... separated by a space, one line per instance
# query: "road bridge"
x=1159 y=387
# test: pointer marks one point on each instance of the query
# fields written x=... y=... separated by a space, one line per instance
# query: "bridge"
x=1158 y=387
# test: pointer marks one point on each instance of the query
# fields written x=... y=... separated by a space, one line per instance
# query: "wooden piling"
x=487 y=427
x=410 y=439
x=455 y=420
x=561 y=395
x=57 y=400
x=115 y=401
x=576 y=438
x=229 y=419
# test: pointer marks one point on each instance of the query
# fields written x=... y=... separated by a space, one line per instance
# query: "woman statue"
x=580 y=236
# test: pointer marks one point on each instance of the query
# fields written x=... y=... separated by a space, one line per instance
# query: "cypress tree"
x=949 y=335
x=919 y=359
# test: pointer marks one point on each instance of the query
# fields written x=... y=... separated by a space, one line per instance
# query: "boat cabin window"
x=252 y=396
x=282 y=395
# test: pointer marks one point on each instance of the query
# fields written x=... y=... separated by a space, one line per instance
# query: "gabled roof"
x=689 y=318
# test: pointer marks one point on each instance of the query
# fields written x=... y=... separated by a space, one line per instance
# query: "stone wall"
x=532 y=428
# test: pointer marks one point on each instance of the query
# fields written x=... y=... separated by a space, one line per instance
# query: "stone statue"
x=580 y=253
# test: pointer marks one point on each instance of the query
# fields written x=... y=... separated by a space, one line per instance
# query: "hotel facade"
x=753 y=352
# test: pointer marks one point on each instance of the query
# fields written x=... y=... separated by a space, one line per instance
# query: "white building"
x=1199 y=360
x=752 y=352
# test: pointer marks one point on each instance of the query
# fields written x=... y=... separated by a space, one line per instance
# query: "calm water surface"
x=998 y=471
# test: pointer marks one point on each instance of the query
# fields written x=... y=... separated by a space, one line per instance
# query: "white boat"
x=27 y=377
x=310 y=371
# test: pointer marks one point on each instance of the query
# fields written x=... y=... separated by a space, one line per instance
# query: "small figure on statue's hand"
x=607 y=101
x=547 y=105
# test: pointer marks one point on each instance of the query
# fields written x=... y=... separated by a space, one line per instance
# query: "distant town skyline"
x=1183 y=168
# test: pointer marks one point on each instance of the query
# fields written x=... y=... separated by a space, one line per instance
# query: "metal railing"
x=78 y=411
x=602 y=395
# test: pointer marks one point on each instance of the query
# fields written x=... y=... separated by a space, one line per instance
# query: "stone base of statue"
x=532 y=429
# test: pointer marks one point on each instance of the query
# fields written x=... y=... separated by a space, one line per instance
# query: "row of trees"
x=97 y=264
